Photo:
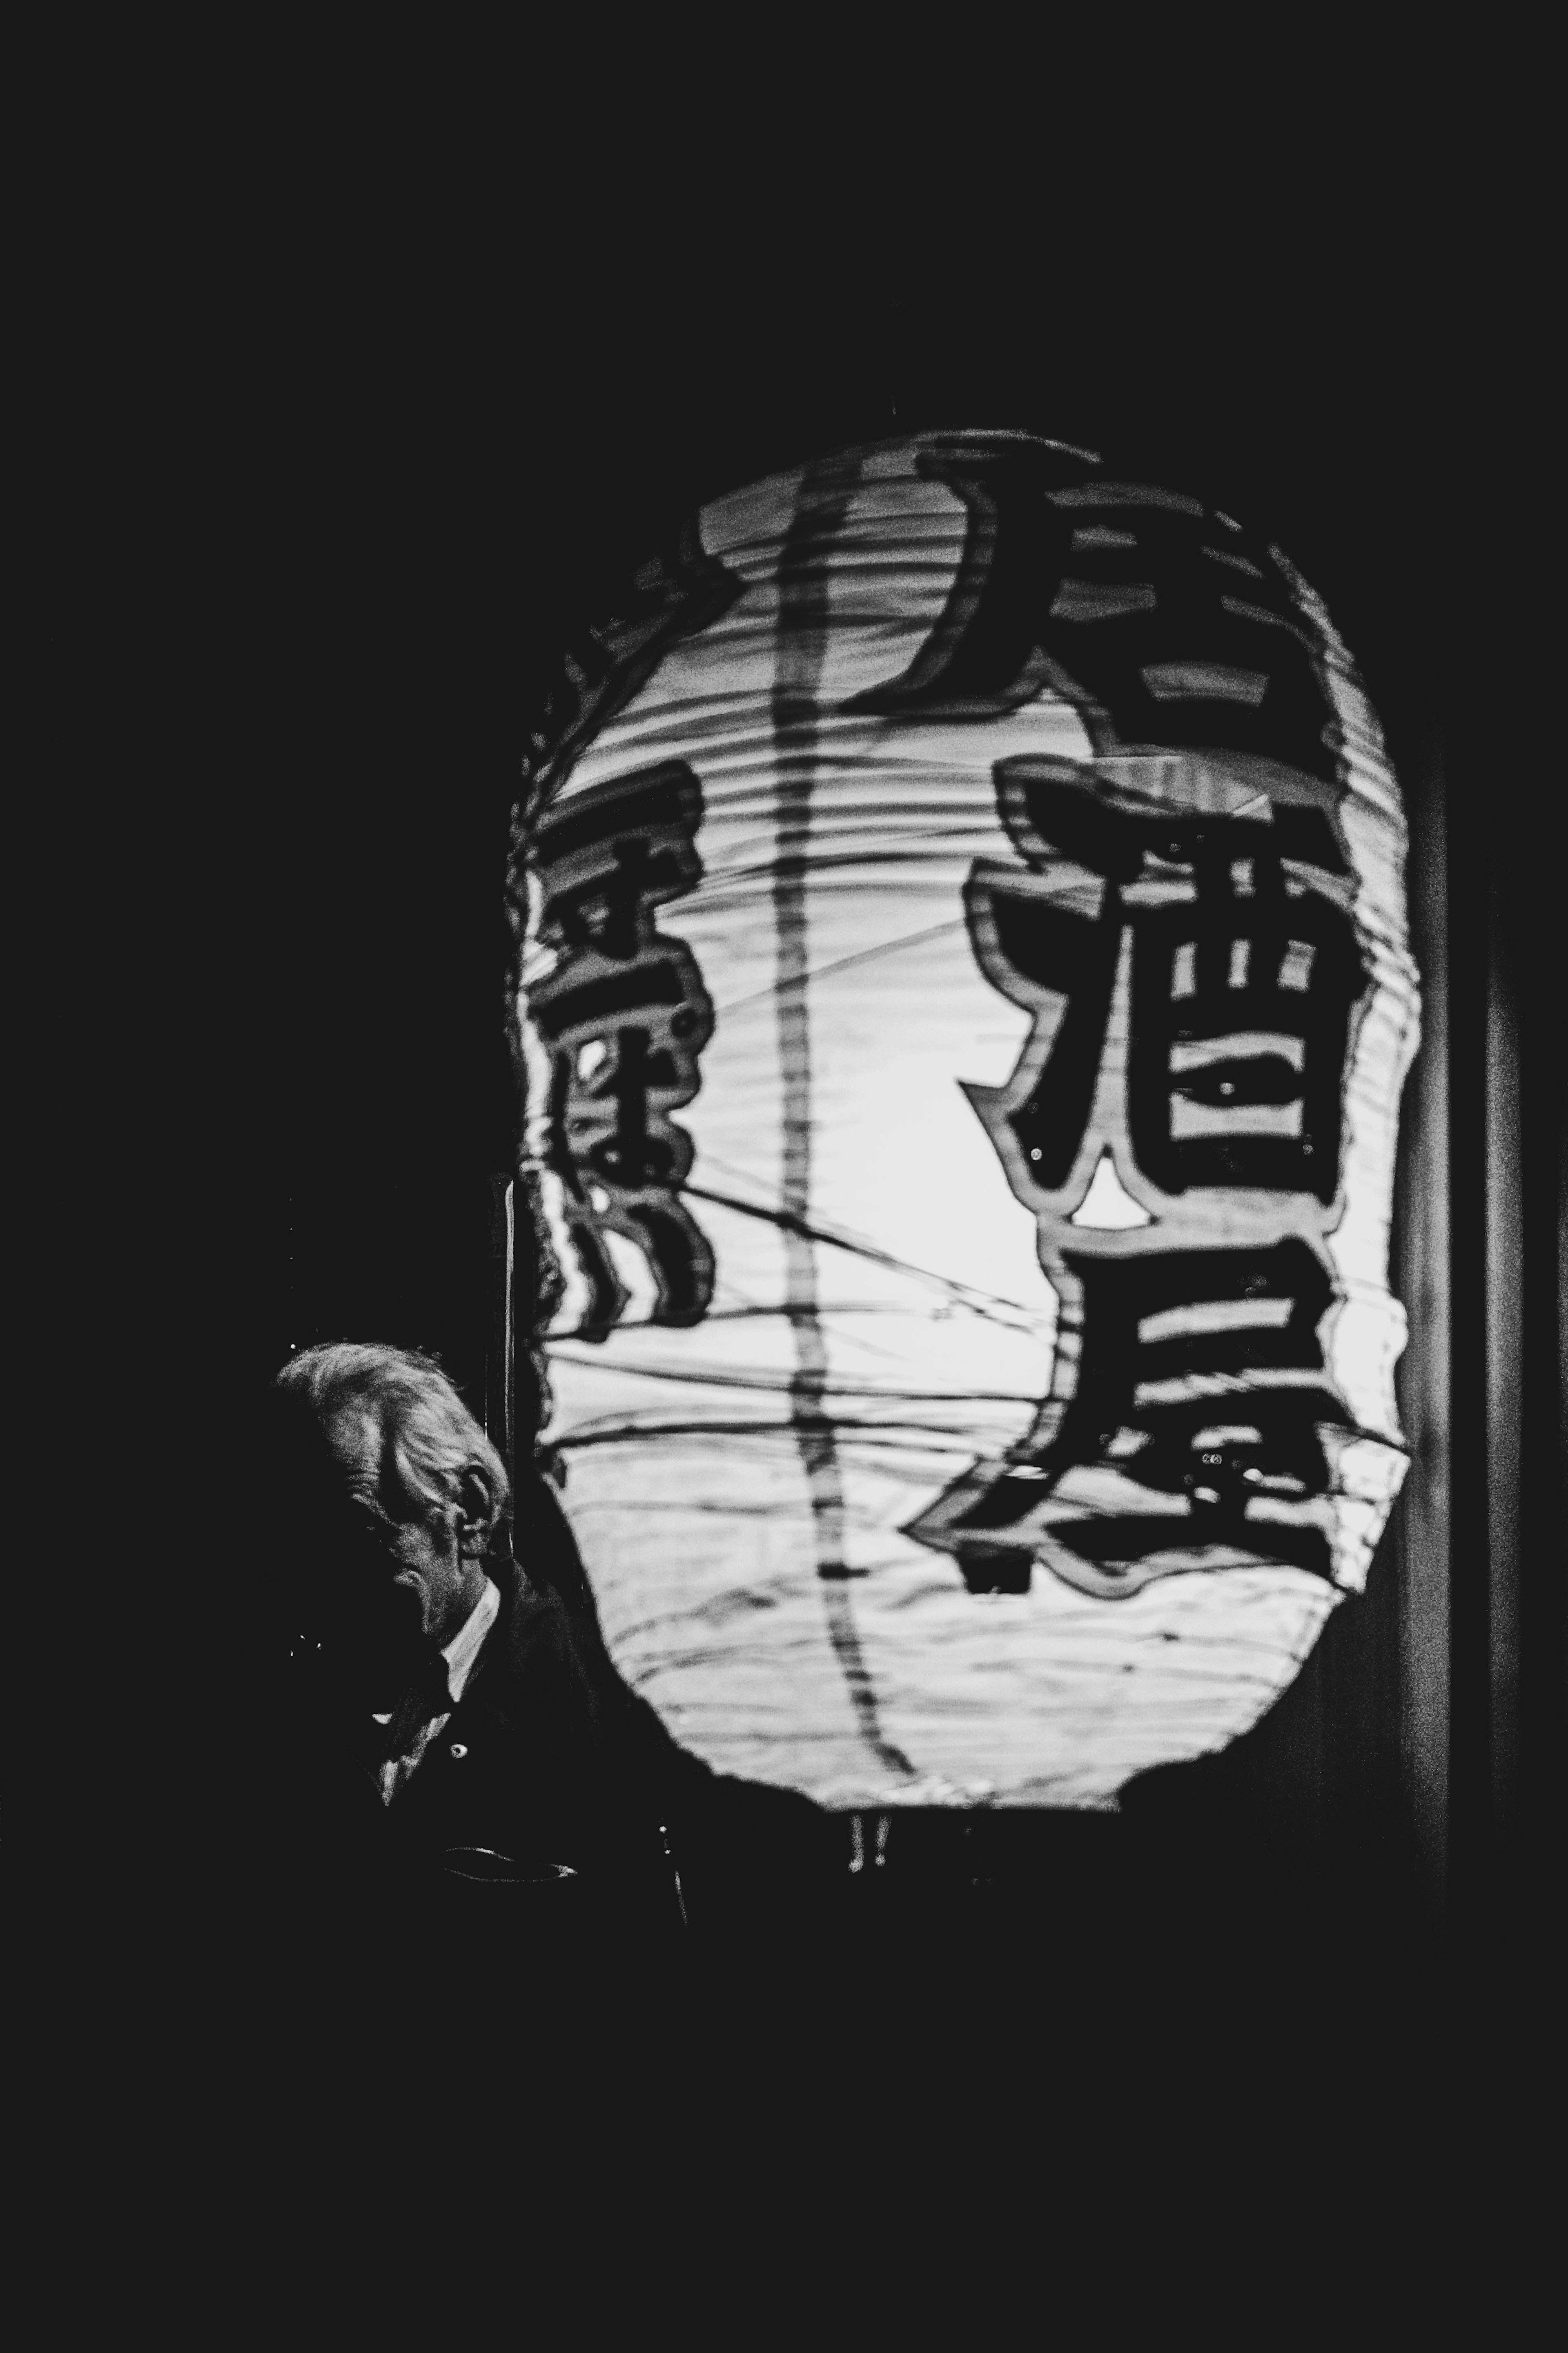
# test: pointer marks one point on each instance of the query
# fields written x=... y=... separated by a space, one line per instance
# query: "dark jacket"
x=548 y=1760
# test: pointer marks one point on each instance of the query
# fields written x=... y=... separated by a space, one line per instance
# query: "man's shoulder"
x=534 y=1634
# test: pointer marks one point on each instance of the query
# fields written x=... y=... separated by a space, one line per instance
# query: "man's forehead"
x=353 y=1438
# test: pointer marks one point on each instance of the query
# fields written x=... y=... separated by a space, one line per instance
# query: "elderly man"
x=457 y=1719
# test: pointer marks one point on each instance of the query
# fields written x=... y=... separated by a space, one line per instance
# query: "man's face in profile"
x=381 y=1582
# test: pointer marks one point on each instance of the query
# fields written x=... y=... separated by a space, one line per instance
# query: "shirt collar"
x=467 y=1643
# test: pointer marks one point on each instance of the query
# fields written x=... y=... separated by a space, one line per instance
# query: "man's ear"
x=476 y=1511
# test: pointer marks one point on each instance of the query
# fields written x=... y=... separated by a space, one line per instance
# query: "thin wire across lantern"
x=962 y=1004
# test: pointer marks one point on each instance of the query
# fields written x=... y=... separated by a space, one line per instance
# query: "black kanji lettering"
x=1201 y=1379
x=1244 y=977
x=1162 y=622
x=624 y=1017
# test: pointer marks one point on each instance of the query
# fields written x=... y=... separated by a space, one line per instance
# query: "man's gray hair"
x=431 y=1451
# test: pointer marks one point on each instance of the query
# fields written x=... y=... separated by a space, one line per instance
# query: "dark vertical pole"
x=1543 y=1433
x=1468 y=842
x=1424 y=1241
x=1482 y=1527
x=498 y=1315
x=294 y=1305
x=1504 y=1238
x=1527 y=1669
x=508 y=1335
x=1506 y=1060
x=528 y=1411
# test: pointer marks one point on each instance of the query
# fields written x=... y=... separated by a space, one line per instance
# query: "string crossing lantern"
x=961 y=1001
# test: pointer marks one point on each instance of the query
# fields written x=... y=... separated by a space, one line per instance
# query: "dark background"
x=466 y=402
x=354 y=370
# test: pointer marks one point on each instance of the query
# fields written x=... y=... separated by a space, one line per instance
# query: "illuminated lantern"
x=961 y=1005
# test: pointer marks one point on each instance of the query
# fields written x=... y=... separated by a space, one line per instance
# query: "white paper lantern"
x=962 y=1000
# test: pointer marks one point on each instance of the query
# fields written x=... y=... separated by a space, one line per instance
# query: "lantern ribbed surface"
x=961 y=1005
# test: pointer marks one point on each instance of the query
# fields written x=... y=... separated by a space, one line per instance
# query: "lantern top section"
x=1175 y=632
